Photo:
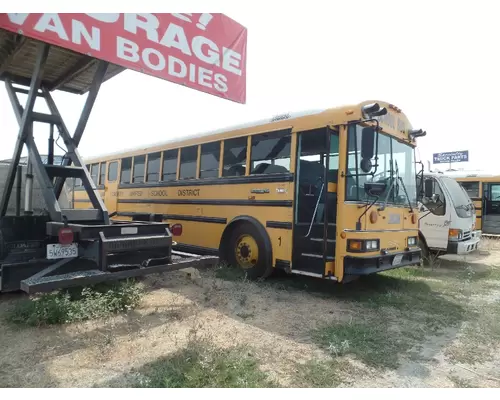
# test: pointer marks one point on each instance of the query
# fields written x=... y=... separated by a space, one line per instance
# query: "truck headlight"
x=455 y=234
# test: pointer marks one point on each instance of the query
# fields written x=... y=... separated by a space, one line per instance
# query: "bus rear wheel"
x=247 y=251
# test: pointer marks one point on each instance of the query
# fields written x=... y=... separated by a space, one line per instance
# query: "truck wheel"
x=247 y=250
x=425 y=251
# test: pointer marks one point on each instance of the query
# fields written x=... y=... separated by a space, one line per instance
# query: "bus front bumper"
x=366 y=265
x=465 y=247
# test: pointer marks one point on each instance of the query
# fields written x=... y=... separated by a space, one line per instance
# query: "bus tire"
x=248 y=249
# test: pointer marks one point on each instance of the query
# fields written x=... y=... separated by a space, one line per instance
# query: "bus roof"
x=462 y=174
x=302 y=120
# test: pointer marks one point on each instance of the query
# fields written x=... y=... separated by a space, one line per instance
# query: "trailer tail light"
x=176 y=229
x=65 y=236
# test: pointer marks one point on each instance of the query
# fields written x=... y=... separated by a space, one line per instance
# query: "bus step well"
x=312 y=263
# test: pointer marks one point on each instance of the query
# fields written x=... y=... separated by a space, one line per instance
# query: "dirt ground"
x=414 y=327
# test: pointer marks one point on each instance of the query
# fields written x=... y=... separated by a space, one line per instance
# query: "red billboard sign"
x=205 y=52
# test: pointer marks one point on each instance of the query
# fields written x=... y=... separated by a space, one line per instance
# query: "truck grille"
x=467 y=235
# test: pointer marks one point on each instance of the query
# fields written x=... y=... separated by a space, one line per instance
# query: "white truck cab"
x=447 y=217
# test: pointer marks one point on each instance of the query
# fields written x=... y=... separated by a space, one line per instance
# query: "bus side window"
x=113 y=171
x=139 y=165
x=209 y=162
x=270 y=153
x=102 y=173
x=235 y=157
x=94 y=173
x=126 y=169
x=189 y=156
x=153 y=174
x=169 y=165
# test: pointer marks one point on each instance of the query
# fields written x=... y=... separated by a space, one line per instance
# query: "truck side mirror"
x=367 y=148
x=428 y=188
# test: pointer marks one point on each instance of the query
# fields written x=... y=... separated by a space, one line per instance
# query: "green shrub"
x=73 y=305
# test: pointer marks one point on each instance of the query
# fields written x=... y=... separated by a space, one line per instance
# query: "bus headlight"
x=412 y=241
x=455 y=234
x=371 y=245
x=359 y=246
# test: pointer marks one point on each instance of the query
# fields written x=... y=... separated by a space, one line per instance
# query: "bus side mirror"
x=428 y=188
x=367 y=148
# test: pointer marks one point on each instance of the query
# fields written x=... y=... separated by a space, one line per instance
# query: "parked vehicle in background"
x=484 y=190
x=447 y=220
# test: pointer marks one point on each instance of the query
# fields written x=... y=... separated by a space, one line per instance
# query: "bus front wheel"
x=247 y=250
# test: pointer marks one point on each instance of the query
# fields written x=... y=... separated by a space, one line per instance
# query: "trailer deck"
x=64 y=70
x=67 y=247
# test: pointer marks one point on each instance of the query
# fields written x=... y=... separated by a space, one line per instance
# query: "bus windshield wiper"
x=403 y=185
x=384 y=203
x=396 y=178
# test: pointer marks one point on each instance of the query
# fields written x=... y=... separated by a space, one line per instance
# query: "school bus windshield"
x=395 y=166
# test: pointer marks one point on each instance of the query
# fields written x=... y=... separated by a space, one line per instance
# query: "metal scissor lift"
x=91 y=248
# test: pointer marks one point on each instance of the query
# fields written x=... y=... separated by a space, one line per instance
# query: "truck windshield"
x=459 y=197
x=396 y=167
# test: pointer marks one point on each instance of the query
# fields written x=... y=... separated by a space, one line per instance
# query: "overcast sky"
x=437 y=61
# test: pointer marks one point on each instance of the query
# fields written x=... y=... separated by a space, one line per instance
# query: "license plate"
x=57 y=251
x=397 y=260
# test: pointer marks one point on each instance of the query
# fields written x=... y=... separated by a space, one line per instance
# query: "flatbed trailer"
x=68 y=247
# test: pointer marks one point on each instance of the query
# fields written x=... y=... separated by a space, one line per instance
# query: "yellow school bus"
x=484 y=191
x=326 y=193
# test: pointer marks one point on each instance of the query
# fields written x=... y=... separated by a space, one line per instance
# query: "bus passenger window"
x=113 y=171
x=94 y=173
x=472 y=188
x=169 y=165
x=139 y=164
x=270 y=153
x=126 y=167
x=210 y=157
x=102 y=173
x=153 y=167
x=235 y=157
x=189 y=156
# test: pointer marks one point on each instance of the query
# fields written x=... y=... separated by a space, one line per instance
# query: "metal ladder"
x=51 y=176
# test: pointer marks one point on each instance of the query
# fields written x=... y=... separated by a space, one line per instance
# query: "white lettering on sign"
x=52 y=23
x=105 y=17
x=135 y=49
x=80 y=32
x=130 y=51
